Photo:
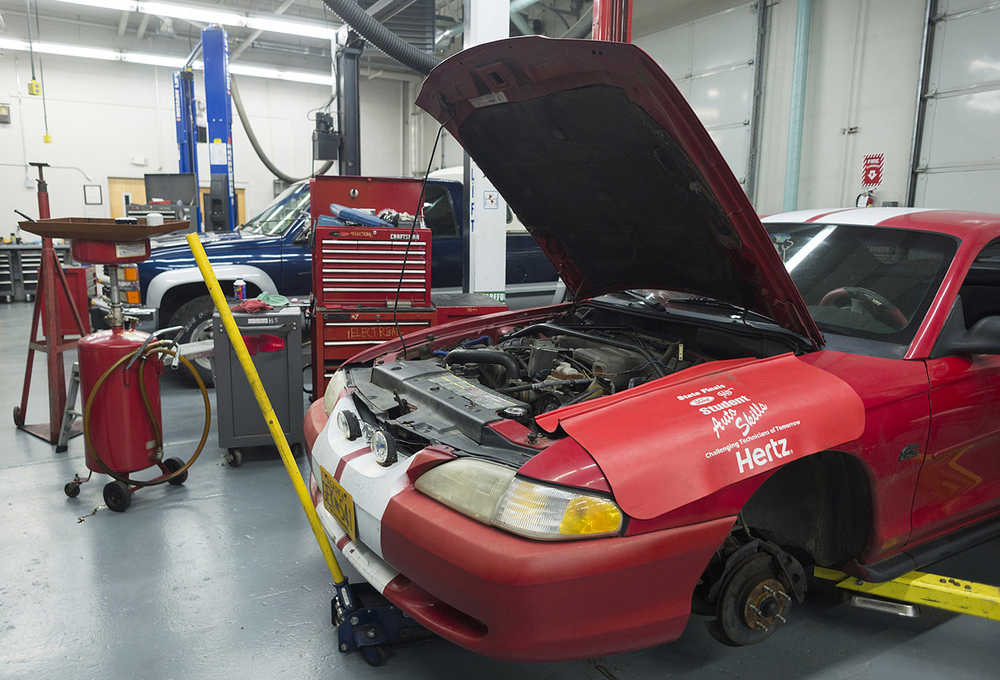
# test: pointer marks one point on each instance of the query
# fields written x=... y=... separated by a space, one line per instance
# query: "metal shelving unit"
x=19 y=269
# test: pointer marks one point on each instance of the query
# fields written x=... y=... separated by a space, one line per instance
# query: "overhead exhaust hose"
x=255 y=143
x=381 y=37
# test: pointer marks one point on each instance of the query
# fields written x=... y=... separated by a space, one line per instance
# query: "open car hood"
x=608 y=167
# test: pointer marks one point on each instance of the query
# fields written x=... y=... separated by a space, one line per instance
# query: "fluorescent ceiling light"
x=167 y=61
x=213 y=15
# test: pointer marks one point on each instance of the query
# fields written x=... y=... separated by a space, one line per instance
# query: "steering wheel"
x=874 y=303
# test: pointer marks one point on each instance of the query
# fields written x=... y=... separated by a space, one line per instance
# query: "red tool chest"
x=363 y=193
x=356 y=270
x=455 y=306
x=340 y=334
x=76 y=281
x=361 y=266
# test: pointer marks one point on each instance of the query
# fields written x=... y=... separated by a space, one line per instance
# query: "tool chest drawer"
x=361 y=266
x=340 y=334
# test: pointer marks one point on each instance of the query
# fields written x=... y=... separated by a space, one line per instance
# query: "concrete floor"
x=221 y=578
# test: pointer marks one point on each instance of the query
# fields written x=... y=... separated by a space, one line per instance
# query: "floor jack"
x=362 y=624
x=370 y=624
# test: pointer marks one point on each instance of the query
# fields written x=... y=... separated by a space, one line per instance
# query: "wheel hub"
x=765 y=605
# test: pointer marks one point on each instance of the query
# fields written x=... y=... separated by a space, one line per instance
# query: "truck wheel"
x=196 y=317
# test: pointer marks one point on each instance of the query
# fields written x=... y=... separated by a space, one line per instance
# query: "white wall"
x=864 y=58
x=864 y=61
x=103 y=114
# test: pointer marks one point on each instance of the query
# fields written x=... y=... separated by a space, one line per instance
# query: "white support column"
x=485 y=21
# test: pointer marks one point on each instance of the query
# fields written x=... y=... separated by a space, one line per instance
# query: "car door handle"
x=909 y=451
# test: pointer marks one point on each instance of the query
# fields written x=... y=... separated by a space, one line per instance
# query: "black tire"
x=196 y=317
x=234 y=458
x=72 y=489
x=18 y=419
x=173 y=465
x=117 y=496
x=375 y=655
x=730 y=625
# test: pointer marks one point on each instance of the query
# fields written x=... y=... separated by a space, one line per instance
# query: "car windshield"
x=867 y=282
x=281 y=213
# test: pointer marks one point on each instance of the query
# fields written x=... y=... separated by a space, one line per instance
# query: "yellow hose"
x=236 y=339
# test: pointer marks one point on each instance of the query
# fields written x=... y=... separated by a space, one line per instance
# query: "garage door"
x=958 y=154
x=712 y=62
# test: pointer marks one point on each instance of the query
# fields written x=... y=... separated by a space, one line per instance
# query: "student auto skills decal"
x=736 y=414
x=689 y=438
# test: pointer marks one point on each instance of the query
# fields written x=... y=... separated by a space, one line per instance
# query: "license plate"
x=339 y=504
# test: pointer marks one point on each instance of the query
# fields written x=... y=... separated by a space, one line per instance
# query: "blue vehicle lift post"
x=185 y=120
x=220 y=214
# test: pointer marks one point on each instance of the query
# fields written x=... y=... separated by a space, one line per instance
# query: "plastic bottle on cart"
x=240 y=289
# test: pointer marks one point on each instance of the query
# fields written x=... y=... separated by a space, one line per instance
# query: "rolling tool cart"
x=274 y=340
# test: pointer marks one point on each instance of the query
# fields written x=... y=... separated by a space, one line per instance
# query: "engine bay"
x=549 y=365
x=455 y=393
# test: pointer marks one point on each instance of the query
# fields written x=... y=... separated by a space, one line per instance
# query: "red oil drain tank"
x=119 y=426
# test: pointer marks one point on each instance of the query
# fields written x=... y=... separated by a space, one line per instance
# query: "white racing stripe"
x=373 y=569
x=858 y=216
x=370 y=485
x=796 y=216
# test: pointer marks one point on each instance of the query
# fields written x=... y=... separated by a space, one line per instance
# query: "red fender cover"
x=682 y=437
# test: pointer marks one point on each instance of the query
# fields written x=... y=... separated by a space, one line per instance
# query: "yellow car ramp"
x=902 y=595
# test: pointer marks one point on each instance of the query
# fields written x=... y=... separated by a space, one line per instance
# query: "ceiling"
x=417 y=21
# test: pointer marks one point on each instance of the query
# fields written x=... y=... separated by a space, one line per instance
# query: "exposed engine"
x=549 y=366
x=452 y=394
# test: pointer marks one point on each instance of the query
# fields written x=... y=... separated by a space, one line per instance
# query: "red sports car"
x=724 y=405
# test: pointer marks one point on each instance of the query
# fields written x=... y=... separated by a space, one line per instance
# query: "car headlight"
x=493 y=494
x=337 y=384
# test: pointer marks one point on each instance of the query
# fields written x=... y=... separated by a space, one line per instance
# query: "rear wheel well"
x=177 y=296
x=818 y=508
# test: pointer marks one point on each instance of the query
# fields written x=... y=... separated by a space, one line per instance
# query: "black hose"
x=238 y=101
x=381 y=37
x=484 y=356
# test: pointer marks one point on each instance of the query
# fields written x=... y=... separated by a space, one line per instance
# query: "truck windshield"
x=281 y=213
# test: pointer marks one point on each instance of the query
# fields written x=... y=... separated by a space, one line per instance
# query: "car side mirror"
x=982 y=338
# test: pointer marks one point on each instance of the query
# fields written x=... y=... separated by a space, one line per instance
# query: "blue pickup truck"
x=272 y=253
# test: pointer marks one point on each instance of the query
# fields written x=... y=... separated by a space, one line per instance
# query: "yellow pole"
x=236 y=338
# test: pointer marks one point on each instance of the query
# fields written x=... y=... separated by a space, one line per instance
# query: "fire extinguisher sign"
x=871 y=170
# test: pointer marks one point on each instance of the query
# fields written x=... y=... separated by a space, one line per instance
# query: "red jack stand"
x=54 y=342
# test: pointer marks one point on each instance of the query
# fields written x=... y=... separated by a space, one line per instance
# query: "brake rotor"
x=765 y=605
x=753 y=603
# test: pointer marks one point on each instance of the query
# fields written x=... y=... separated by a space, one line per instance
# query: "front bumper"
x=504 y=596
